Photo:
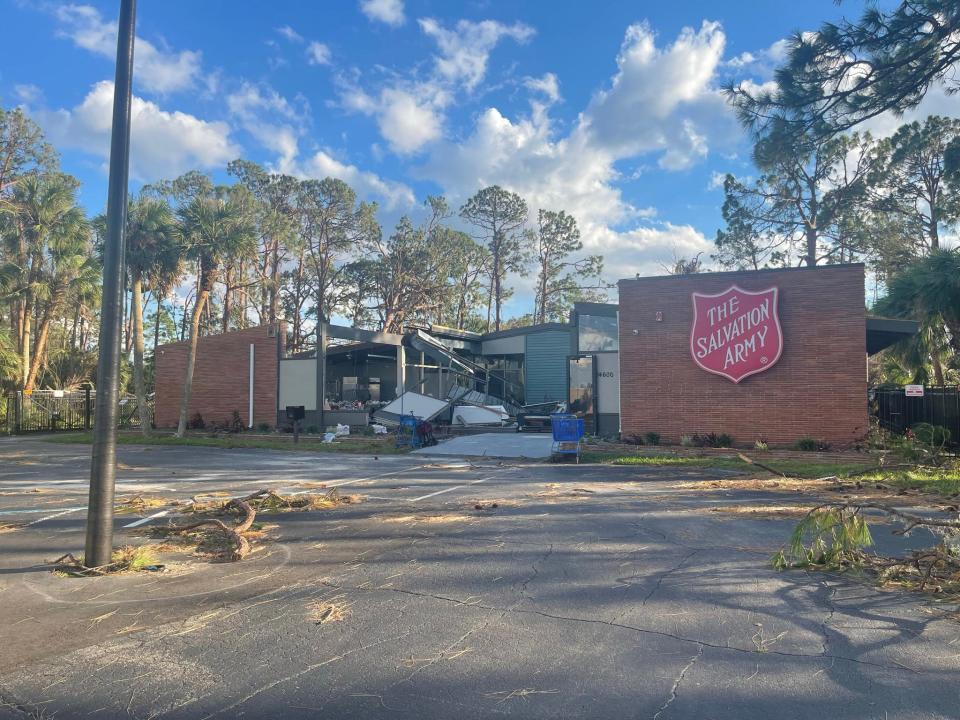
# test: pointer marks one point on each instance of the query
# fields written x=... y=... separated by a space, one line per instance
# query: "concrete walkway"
x=502 y=445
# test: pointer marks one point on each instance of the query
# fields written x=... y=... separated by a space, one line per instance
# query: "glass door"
x=581 y=389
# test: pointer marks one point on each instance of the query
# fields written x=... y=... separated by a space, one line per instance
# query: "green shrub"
x=933 y=435
x=808 y=444
x=652 y=438
x=263 y=427
x=760 y=446
x=686 y=440
x=712 y=440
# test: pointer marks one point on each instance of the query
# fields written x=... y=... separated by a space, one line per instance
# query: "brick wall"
x=220 y=378
x=817 y=389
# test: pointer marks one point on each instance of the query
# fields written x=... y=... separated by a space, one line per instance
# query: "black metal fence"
x=55 y=410
x=896 y=411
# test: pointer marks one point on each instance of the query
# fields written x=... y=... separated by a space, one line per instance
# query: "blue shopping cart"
x=407 y=435
x=567 y=434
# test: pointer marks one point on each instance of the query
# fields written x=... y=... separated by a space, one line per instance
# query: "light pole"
x=99 y=543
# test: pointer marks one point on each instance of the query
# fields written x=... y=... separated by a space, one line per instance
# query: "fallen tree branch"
x=751 y=461
x=240 y=544
x=909 y=518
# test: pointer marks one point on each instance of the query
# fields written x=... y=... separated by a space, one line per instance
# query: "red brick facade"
x=221 y=377
x=817 y=389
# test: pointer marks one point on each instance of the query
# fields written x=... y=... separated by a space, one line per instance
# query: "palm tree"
x=216 y=229
x=929 y=290
x=154 y=255
x=52 y=252
x=9 y=360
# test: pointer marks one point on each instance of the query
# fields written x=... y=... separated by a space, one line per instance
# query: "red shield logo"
x=736 y=333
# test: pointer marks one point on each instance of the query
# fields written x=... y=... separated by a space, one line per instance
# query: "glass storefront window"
x=597 y=333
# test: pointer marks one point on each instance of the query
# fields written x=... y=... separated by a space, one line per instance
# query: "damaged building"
x=771 y=354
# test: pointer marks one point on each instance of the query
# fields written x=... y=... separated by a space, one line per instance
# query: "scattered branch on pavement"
x=833 y=536
x=239 y=545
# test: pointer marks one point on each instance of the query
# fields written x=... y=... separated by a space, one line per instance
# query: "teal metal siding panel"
x=545 y=366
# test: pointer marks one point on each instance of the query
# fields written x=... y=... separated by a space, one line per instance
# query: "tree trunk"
x=183 y=324
x=25 y=330
x=76 y=322
x=811 y=233
x=139 y=382
x=497 y=290
x=127 y=329
x=156 y=328
x=937 y=368
x=191 y=360
x=275 y=281
x=542 y=309
x=227 y=294
x=43 y=334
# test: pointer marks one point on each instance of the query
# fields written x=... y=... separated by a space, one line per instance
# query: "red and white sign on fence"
x=736 y=333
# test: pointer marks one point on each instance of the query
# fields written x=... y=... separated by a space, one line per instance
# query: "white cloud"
x=290 y=34
x=28 y=94
x=163 y=144
x=408 y=116
x=547 y=84
x=464 y=50
x=270 y=118
x=663 y=99
x=717 y=180
x=761 y=63
x=410 y=113
x=406 y=123
x=367 y=184
x=158 y=70
x=318 y=53
x=646 y=250
x=385 y=11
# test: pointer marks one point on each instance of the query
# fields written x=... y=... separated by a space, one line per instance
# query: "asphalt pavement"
x=587 y=592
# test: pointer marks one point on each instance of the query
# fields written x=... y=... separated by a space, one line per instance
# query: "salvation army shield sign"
x=736 y=333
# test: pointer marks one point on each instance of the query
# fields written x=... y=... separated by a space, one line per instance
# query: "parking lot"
x=588 y=591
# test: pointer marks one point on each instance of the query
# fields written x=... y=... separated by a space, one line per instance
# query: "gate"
x=58 y=410
x=895 y=411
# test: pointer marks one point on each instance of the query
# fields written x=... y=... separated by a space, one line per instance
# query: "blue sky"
x=609 y=110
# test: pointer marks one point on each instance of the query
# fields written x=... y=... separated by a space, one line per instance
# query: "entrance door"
x=581 y=389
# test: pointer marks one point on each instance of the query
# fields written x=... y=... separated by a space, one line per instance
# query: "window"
x=597 y=333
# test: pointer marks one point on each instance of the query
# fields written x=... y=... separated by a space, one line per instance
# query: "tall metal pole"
x=99 y=545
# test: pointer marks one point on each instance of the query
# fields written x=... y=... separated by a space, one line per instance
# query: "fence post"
x=18 y=410
x=86 y=408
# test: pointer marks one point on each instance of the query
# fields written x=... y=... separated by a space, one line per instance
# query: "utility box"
x=295 y=412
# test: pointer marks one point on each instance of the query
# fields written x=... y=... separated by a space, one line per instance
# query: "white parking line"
x=56 y=515
x=450 y=489
x=30 y=511
x=144 y=521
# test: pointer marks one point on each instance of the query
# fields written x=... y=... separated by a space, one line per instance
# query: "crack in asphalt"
x=677 y=681
x=303 y=671
x=664 y=575
x=829 y=617
x=631 y=628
